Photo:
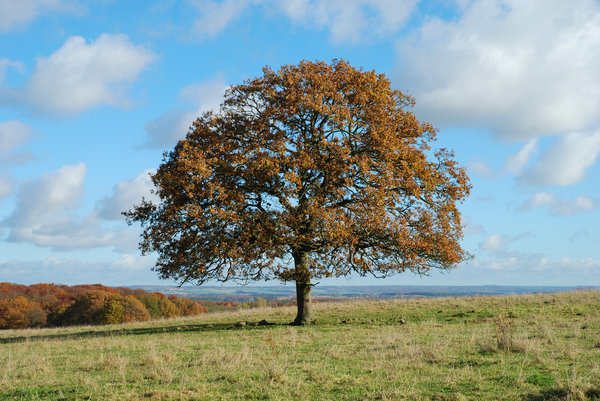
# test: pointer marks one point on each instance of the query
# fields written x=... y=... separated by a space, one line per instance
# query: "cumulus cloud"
x=565 y=161
x=45 y=207
x=172 y=126
x=47 y=215
x=523 y=69
x=346 y=20
x=17 y=13
x=81 y=75
x=560 y=207
x=125 y=195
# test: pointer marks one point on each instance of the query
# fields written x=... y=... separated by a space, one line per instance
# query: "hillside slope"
x=530 y=347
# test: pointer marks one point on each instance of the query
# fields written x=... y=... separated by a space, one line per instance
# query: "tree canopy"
x=314 y=170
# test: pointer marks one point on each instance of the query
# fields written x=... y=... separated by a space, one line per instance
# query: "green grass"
x=532 y=347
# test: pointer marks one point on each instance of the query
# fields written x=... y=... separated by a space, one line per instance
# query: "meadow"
x=526 y=347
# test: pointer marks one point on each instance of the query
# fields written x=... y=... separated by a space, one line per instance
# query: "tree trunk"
x=303 y=288
x=304 y=315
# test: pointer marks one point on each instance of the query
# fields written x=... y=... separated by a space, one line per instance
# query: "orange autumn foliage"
x=20 y=313
x=48 y=305
x=134 y=310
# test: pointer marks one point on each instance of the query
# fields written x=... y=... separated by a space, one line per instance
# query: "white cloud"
x=125 y=270
x=217 y=15
x=207 y=95
x=125 y=195
x=498 y=243
x=47 y=215
x=581 y=203
x=545 y=264
x=470 y=227
x=12 y=135
x=535 y=269
x=512 y=164
x=561 y=207
x=17 y=13
x=346 y=20
x=506 y=264
x=515 y=163
x=172 y=126
x=82 y=75
x=493 y=243
x=539 y=199
x=44 y=204
x=166 y=130
x=133 y=263
x=565 y=161
x=521 y=68
x=6 y=186
x=480 y=168
x=350 y=20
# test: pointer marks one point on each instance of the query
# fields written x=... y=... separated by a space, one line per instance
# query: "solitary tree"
x=315 y=170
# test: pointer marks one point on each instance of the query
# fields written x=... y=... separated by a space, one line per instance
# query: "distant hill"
x=283 y=293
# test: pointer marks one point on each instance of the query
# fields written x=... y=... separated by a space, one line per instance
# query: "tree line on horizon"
x=52 y=305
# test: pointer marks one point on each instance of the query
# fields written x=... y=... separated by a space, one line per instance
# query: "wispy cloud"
x=6 y=185
x=565 y=161
x=13 y=134
x=15 y=14
x=215 y=16
x=348 y=21
x=515 y=163
x=561 y=207
x=499 y=243
x=172 y=126
x=5 y=64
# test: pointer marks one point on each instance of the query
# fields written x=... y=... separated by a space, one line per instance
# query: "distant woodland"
x=51 y=305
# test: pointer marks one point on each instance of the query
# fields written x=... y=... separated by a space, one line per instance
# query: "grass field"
x=529 y=347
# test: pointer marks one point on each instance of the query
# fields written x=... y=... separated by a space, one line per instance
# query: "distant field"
x=288 y=292
x=526 y=347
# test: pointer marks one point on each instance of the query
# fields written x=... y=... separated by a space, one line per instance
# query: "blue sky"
x=92 y=93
